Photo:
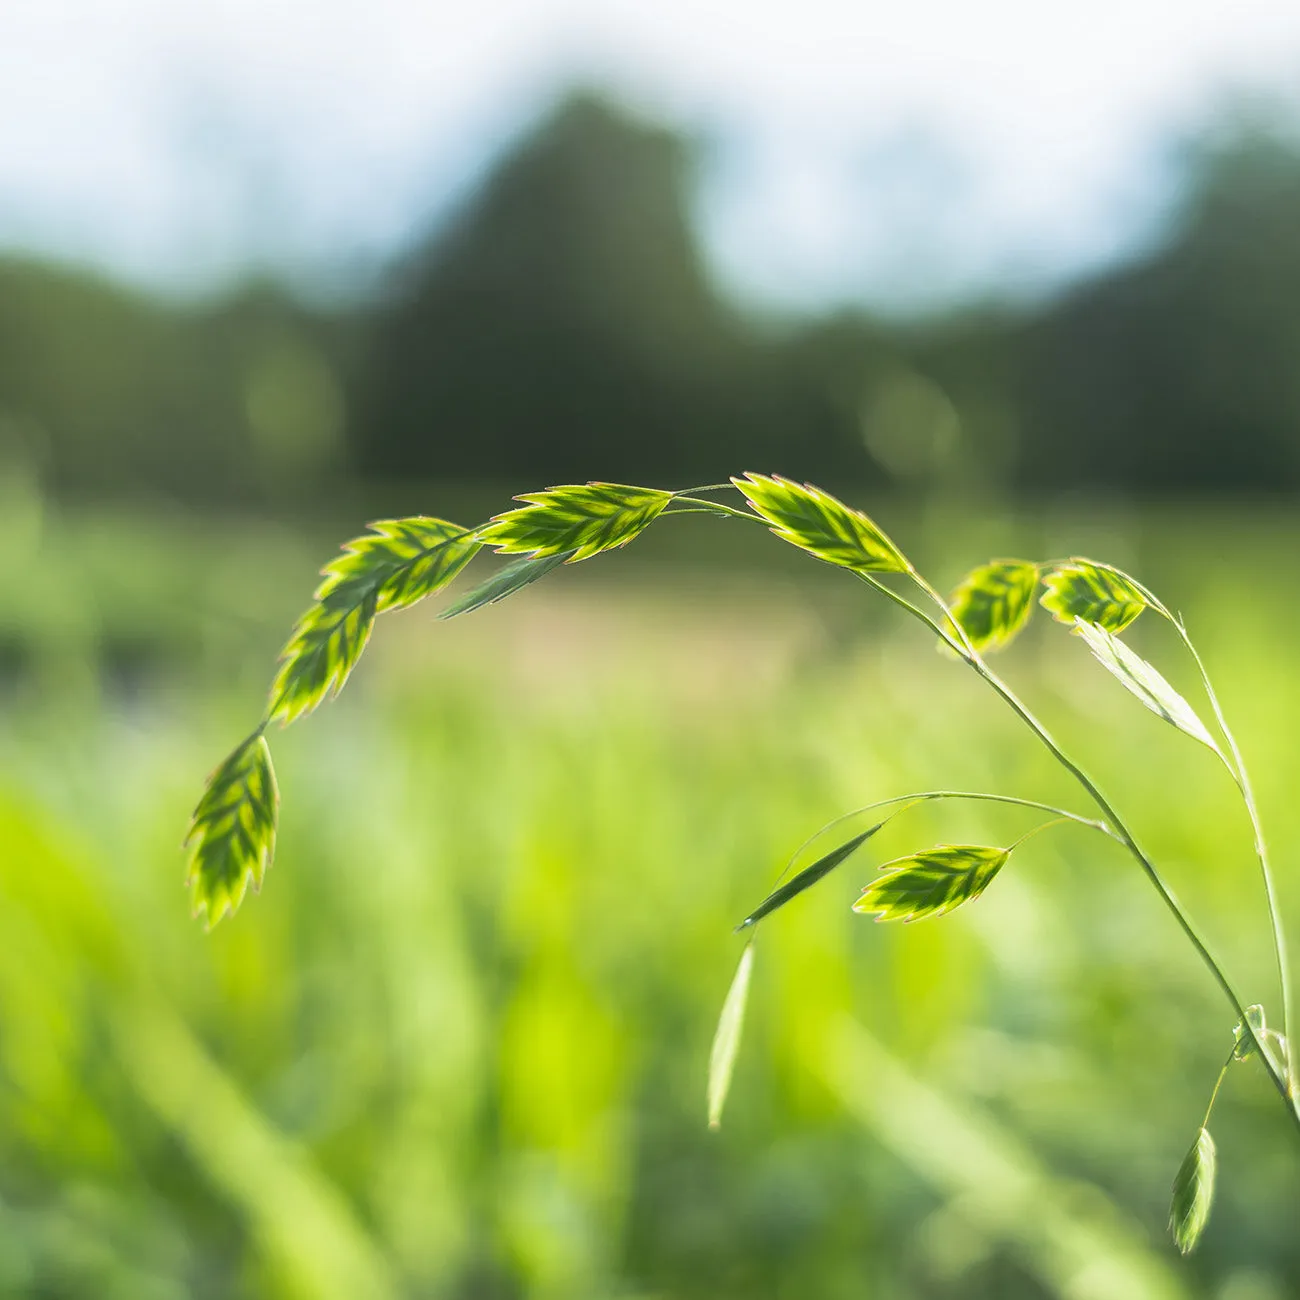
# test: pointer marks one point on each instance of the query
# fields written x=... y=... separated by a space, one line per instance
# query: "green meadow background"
x=458 y=1045
x=457 y=1048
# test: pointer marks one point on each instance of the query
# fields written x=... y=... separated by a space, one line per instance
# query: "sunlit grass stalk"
x=823 y=866
x=402 y=561
x=962 y=647
x=1239 y=774
x=983 y=796
x=1236 y=767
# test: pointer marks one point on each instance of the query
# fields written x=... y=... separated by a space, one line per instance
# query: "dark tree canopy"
x=1181 y=372
x=564 y=328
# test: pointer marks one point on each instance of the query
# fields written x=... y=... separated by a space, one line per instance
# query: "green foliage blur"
x=458 y=1046
x=562 y=326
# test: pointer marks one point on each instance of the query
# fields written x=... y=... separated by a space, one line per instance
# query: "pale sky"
x=853 y=151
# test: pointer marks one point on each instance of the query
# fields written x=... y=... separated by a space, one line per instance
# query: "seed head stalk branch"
x=962 y=647
x=954 y=636
x=1236 y=766
x=1239 y=774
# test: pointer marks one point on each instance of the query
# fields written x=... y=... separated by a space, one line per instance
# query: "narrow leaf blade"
x=577 y=520
x=505 y=582
x=1095 y=593
x=1143 y=681
x=1189 y=1210
x=931 y=883
x=993 y=602
x=808 y=877
x=820 y=524
x=231 y=837
x=726 y=1040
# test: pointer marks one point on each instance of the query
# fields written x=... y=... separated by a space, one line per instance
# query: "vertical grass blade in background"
x=726 y=1041
x=303 y=1223
x=1075 y=1246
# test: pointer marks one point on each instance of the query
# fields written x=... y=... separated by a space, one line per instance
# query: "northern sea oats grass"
x=398 y=562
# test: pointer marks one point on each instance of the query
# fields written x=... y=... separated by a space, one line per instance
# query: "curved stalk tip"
x=966 y=651
x=961 y=645
x=1237 y=769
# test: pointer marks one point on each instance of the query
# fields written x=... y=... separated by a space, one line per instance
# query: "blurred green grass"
x=458 y=1045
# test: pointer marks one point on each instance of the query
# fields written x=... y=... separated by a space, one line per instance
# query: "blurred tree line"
x=563 y=326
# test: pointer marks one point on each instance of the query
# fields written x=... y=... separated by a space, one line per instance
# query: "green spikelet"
x=231 y=837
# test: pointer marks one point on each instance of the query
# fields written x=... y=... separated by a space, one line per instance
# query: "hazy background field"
x=457 y=1047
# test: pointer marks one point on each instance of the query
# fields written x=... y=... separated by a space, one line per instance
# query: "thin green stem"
x=817 y=871
x=926 y=795
x=916 y=611
x=1236 y=766
x=947 y=613
x=714 y=507
x=1042 y=826
x=967 y=651
x=961 y=645
x=1218 y=1083
x=689 y=510
x=1239 y=774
